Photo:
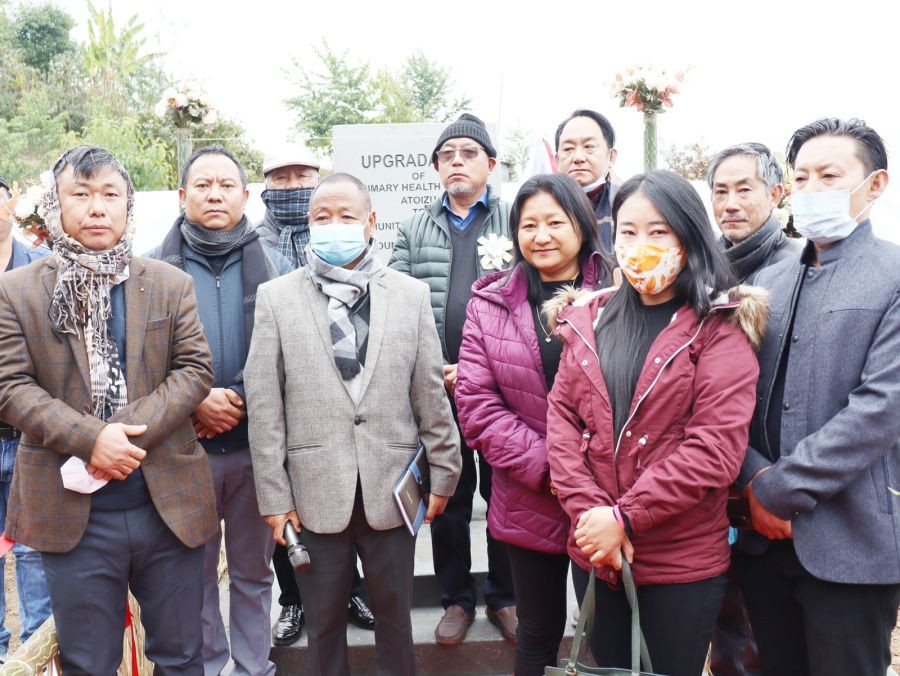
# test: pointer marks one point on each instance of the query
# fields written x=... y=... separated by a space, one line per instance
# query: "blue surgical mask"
x=824 y=217
x=337 y=243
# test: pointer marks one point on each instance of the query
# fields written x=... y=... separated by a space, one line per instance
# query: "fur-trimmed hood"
x=747 y=307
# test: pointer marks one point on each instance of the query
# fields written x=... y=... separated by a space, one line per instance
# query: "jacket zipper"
x=221 y=326
x=652 y=385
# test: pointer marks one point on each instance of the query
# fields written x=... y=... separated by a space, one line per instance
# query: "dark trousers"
x=89 y=594
x=733 y=644
x=287 y=581
x=540 y=584
x=388 y=564
x=805 y=625
x=677 y=620
x=451 y=542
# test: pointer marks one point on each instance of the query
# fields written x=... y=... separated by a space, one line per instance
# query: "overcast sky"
x=760 y=69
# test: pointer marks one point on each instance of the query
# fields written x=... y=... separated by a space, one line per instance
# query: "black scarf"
x=750 y=255
x=255 y=266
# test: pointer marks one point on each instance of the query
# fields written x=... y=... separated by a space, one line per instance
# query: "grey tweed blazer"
x=309 y=440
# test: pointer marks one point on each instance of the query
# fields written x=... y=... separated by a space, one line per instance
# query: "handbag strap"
x=584 y=627
x=639 y=652
x=582 y=638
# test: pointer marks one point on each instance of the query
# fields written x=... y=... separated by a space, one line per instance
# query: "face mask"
x=289 y=206
x=824 y=217
x=650 y=269
x=337 y=243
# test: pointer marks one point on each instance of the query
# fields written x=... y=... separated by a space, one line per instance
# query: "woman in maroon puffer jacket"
x=507 y=363
x=648 y=423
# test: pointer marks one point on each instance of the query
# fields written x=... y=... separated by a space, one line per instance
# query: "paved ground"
x=12 y=614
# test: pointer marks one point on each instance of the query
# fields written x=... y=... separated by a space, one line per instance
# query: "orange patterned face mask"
x=648 y=268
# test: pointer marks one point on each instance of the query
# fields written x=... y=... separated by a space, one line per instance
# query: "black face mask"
x=289 y=206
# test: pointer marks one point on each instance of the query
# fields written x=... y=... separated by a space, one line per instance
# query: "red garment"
x=682 y=445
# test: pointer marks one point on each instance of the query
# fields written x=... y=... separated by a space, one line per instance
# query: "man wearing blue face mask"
x=291 y=174
x=821 y=569
x=344 y=378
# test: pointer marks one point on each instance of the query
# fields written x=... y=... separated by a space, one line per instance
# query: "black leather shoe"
x=289 y=626
x=358 y=613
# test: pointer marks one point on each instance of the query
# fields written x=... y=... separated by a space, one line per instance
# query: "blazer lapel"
x=76 y=342
x=137 y=304
x=378 y=307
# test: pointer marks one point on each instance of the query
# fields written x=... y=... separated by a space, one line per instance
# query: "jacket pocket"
x=156 y=324
x=189 y=448
x=401 y=448
x=881 y=482
x=306 y=448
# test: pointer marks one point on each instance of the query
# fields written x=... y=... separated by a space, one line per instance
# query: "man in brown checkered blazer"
x=102 y=359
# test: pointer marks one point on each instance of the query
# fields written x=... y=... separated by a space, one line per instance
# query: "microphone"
x=297 y=552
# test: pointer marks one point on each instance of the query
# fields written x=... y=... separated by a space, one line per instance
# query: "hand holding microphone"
x=297 y=552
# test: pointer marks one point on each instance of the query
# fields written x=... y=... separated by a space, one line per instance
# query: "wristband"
x=618 y=515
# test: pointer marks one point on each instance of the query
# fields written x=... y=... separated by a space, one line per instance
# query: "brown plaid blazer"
x=45 y=392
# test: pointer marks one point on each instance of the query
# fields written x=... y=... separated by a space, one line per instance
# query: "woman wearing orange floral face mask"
x=648 y=422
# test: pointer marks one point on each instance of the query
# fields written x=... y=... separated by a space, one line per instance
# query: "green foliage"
x=146 y=157
x=32 y=139
x=42 y=34
x=55 y=94
x=116 y=61
x=340 y=92
x=430 y=86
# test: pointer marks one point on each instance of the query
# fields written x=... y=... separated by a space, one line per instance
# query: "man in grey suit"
x=343 y=379
x=821 y=574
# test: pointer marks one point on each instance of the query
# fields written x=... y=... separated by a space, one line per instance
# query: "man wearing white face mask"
x=343 y=379
x=821 y=570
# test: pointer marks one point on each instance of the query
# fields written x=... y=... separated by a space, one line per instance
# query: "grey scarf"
x=216 y=242
x=749 y=256
x=344 y=288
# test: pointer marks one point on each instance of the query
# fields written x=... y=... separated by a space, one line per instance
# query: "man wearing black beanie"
x=458 y=238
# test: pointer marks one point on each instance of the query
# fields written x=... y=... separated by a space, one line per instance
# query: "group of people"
x=716 y=410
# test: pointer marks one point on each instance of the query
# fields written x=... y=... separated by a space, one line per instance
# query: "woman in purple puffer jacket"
x=507 y=364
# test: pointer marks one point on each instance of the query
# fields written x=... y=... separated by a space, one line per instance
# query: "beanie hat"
x=468 y=126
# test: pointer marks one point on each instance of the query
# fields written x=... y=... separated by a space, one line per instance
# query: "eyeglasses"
x=467 y=153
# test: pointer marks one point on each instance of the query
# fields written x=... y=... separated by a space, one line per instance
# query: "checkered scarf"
x=81 y=301
x=344 y=289
x=288 y=212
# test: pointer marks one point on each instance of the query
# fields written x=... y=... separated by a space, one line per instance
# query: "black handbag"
x=574 y=663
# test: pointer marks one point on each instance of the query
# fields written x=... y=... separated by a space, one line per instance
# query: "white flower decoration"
x=495 y=251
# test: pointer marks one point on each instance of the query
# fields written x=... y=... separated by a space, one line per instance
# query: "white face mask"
x=824 y=217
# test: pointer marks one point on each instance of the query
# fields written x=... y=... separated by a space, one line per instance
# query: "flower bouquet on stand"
x=24 y=208
x=650 y=91
x=185 y=107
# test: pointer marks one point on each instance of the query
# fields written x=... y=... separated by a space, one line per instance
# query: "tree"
x=340 y=93
x=116 y=59
x=690 y=161
x=42 y=34
x=430 y=87
x=517 y=150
